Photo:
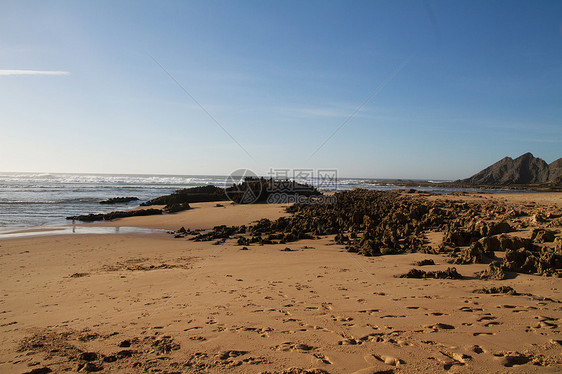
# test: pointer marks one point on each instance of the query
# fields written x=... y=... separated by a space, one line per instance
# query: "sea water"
x=32 y=200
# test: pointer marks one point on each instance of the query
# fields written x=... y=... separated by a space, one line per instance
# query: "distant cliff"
x=525 y=169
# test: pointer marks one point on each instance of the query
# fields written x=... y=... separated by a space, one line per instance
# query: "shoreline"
x=132 y=302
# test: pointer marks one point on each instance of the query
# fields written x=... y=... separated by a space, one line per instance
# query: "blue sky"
x=443 y=88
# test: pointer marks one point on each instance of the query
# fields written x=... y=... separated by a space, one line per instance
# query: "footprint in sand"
x=370 y=311
x=298 y=347
x=439 y=326
x=389 y=360
x=436 y=314
x=469 y=309
x=510 y=359
x=323 y=358
x=486 y=317
x=546 y=322
x=225 y=355
x=477 y=349
x=448 y=359
x=341 y=319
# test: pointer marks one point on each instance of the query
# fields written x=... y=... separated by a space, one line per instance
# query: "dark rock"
x=115 y=215
x=526 y=169
x=190 y=195
x=495 y=271
x=125 y=353
x=218 y=232
x=495 y=228
x=88 y=356
x=555 y=172
x=116 y=200
x=125 y=343
x=543 y=236
x=43 y=370
x=425 y=262
x=176 y=207
x=515 y=359
x=497 y=290
x=475 y=254
x=458 y=237
x=490 y=244
x=514 y=242
x=450 y=273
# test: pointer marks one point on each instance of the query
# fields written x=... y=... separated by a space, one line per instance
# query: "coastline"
x=194 y=306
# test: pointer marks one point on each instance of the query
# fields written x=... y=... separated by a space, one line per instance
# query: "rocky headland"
x=525 y=172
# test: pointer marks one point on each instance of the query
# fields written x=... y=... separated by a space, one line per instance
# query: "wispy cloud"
x=33 y=72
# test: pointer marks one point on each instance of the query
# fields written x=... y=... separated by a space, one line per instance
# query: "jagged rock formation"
x=117 y=200
x=556 y=171
x=114 y=215
x=375 y=223
x=190 y=195
x=525 y=169
x=251 y=190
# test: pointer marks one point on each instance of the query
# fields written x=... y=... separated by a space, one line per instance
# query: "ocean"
x=30 y=200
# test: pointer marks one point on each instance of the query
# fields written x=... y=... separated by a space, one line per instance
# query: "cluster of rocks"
x=262 y=232
x=114 y=215
x=450 y=273
x=425 y=262
x=250 y=190
x=260 y=190
x=172 y=206
x=118 y=200
x=373 y=223
x=190 y=195
x=497 y=290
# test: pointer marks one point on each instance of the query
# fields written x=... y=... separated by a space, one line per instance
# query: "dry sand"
x=152 y=303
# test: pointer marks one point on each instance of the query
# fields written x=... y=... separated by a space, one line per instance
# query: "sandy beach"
x=154 y=303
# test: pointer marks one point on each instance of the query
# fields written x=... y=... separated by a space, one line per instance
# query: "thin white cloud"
x=33 y=72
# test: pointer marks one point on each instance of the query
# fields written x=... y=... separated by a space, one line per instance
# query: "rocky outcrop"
x=376 y=223
x=450 y=273
x=190 y=195
x=525 y=169
x=555 y=169
x=272 y=191
x=117 y=200
x=115 y=215
x=251 y=190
